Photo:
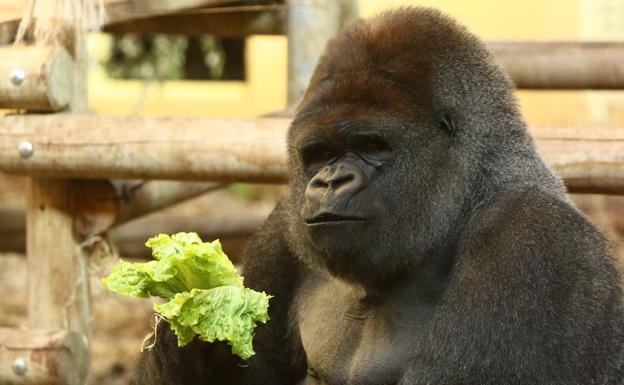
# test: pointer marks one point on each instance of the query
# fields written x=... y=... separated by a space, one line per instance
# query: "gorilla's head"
x=407 y=125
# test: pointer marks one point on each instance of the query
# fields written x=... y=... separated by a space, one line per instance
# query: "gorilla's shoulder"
x=532 y=229
x=533 y=209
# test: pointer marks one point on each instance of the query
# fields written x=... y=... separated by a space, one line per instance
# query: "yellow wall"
x=263 y=91
x=499 y=19
x=265 y=88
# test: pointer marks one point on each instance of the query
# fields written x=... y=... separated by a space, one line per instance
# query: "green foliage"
x=160 y=57
x=205 y=292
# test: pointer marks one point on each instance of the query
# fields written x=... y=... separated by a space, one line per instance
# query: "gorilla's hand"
x=166 y=363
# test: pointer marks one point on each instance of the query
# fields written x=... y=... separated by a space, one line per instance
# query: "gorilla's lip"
x=327 y=217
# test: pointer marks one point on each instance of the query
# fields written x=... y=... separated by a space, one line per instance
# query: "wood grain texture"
x=58 y=281
x=218 y=214
x=102 y=204
x=590 y=160
x=118 y=9
x=48 y=83
x=88 y=146
x=247 y=150
x=52 y=357
x=220 y=21
x=57 y=277
x=561 y=64
x=311 y=23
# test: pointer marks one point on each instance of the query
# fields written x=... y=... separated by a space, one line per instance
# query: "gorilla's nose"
x=338 y=178
x=342 y=178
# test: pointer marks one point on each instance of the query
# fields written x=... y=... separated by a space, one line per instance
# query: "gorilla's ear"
x=447 y=123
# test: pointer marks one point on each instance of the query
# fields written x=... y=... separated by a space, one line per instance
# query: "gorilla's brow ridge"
x=305 y=117
x=355 y=128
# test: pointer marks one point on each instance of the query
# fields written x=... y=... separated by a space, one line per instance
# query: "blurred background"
x=247 y=77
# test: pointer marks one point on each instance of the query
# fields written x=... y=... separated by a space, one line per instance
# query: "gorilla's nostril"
x=340 y=180
x=318 y=183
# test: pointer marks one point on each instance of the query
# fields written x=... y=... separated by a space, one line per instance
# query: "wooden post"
x=12 y=230
x=311 y=23
x=58 y=281
x=56 y=277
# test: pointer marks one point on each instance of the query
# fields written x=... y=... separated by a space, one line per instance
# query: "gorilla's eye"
x=372 y=145
x=316 y=154
x=447 y=123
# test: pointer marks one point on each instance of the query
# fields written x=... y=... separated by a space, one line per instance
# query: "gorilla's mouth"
x=325 y=218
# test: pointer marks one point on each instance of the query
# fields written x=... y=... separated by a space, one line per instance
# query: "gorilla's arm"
x=531 y=292
x=270 y=267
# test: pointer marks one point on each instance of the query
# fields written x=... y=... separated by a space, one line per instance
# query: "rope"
x=52 y=21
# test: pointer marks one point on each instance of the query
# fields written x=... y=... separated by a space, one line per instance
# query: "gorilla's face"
x=345 y=175
x=366 y=185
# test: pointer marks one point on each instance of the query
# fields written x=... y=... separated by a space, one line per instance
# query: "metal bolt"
x=26 y=149
x=18 y=76
x=20 y=366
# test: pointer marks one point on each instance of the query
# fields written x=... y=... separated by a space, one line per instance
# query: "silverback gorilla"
x=422 y=239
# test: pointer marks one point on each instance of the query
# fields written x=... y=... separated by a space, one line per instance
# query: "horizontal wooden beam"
x=561 y=64
x=590 y=160
x=224 y=22
x=39 y=356
x=248 y=150
x=38 y=78
x=103 y=204
x=182 y=17
x=114 y=147
x=215 y=215
x=121 y=9
x=139 y=199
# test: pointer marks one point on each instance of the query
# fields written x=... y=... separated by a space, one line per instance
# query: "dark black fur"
x=436 y=249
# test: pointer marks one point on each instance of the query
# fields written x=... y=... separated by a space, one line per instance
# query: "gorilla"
x=422 y=239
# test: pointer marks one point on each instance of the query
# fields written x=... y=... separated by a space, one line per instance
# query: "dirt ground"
x=120 y=323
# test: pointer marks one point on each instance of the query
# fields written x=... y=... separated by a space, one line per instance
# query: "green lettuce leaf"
x=205 y=292
x=226 y=313
x=183 y=262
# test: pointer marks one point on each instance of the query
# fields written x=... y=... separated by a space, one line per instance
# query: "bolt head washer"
x=26 y=149
x=18 y=76
x=20 y=366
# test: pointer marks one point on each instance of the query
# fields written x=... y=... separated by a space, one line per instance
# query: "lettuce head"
x=205 y=293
